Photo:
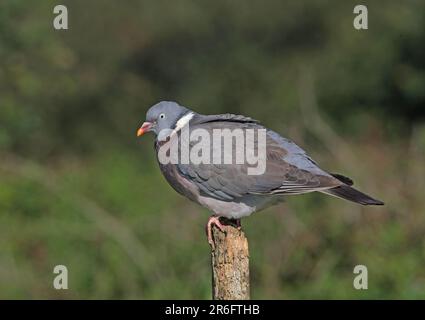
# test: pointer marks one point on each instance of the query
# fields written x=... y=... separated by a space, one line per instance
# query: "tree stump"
x=230 y=263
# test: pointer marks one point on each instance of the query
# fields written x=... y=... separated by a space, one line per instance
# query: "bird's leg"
x=238 y=224
x=213 y=220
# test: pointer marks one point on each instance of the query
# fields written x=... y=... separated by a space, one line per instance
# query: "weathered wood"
x=230 y=263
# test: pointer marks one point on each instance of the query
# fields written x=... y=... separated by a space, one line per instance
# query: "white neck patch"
x=183 y=121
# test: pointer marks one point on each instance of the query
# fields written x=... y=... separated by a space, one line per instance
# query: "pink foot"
x=213 y=220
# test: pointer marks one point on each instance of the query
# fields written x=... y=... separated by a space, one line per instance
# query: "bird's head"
x=162 y=118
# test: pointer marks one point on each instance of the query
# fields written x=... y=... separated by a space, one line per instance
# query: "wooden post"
x=230 y=263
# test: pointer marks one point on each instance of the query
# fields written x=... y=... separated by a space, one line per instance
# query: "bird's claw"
x=213 y=220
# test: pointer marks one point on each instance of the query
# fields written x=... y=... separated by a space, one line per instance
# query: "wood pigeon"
x=226 y=189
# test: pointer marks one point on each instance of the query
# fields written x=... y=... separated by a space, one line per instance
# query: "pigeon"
x=227 y=190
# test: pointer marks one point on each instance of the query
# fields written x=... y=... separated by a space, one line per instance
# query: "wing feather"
x=289 y=170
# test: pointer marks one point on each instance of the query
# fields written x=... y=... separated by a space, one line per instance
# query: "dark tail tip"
x=348 y=193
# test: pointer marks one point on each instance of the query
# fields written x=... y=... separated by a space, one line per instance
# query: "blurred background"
x=77 y=188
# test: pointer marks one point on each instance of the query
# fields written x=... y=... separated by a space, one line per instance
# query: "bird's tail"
x=349 y=193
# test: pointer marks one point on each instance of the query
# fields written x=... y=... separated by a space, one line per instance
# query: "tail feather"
x=342 y=178
x=349 y=193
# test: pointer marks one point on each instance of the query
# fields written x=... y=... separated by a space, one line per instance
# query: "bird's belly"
x=231 y=210
x=236 y=209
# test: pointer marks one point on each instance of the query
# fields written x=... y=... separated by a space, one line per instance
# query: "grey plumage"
x=227 y=189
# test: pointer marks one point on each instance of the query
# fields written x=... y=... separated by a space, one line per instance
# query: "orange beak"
x=146 y=127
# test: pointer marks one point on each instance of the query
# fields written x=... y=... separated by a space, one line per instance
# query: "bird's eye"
x=162 y=116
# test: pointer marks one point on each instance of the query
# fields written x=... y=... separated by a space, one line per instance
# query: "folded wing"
x=289 y=170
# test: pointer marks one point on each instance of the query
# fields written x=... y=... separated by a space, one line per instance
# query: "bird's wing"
x=226 y=117
x=288 y=169
x=301 y=173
